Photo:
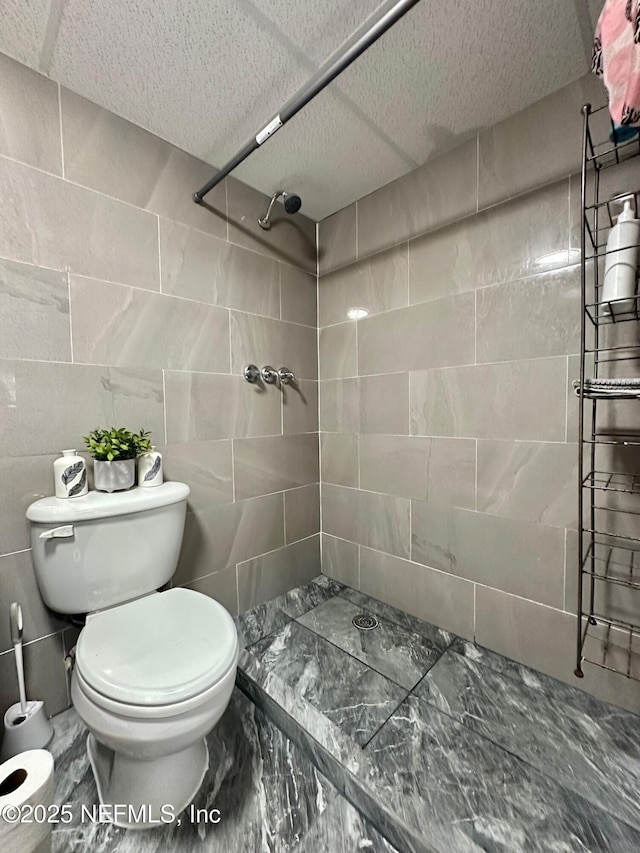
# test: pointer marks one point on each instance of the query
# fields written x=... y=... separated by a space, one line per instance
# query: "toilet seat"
x=164 y=652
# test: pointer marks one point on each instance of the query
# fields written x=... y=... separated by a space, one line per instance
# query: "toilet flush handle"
x=58 y=532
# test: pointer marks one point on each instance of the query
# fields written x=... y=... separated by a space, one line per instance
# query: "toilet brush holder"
x=25 y=729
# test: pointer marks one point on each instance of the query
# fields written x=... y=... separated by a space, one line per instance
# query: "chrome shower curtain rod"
x=335 y=65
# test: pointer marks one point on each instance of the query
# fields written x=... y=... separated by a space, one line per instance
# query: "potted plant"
x=114 y=452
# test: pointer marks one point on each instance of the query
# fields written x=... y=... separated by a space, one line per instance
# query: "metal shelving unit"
x=608 y=625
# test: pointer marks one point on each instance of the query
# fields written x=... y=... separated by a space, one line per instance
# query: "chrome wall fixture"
x=362 y=39
x=286 y=376
x=269 y=375
x=251 y=373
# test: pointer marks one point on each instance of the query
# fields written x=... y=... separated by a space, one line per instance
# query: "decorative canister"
x=116 y=476
x=70 y=475
x=150 y=469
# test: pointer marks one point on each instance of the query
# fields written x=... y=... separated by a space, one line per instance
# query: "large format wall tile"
x=436 y=597
x=49 y=222
x=298 y=296
x=261 y=340
x=222 y=585
x=45 y=407
x=529 y=319
x=442 y=470
x=338 y=354
x=202 y=406
x=264 y=465
x=510 y=400
x=337 y=244
x=384 y=403
x=529 y=480
x=339 y=458
x=340 y=560
x=370 y=404
x=118 y=325
x=378 y=521
x=520 y=238
x=340 y=405
x=517 y=556
x=301 y=513
x=18 y=583
x=224 y=535
x=291 y=238
x=109 y=154
x=544 y=638
x=199 y=266
x=273 y=574
x=510 y=160
x=377 y=284
x=34 y=306
x=207 y=467
x=436 y=334
x=24 y=479
x=442 y=190
x=300 y=406
x=23 y=96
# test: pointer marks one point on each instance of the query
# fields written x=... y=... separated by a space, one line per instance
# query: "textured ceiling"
x=207 y=74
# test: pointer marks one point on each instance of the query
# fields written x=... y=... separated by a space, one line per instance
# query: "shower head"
x=292 y=204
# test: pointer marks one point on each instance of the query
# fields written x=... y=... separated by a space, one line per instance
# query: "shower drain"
x=365 y=622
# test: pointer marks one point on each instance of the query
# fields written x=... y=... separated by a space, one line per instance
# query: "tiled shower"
x=446 y=452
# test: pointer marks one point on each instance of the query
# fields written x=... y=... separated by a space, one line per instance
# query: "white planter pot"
x=114 y=476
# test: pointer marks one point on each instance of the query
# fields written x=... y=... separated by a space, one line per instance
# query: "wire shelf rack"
x=612 y=645
x=608 y=609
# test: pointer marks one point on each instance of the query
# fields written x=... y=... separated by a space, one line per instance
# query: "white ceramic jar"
x=70 y=475
x=150 y=469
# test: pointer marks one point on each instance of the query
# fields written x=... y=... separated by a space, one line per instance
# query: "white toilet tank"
x=104 y=549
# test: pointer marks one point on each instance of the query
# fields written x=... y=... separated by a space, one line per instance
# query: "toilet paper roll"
x=26 y=783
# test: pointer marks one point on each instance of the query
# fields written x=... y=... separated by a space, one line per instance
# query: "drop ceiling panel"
x=319 y=33
x=23 y=24
x=314 y=153
x=446 y=70
x=206 y=74
x=189 y=71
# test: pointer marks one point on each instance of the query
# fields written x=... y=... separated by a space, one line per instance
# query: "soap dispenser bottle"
x=621 y=263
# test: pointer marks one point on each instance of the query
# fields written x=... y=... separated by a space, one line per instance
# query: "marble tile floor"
x=271 y=798
x=480 y=753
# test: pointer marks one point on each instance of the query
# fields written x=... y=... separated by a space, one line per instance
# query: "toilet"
x=154 y=671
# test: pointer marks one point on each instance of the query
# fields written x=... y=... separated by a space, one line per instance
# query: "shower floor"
x=441 y=745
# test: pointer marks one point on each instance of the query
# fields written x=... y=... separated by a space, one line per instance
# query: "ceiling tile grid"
x=207 y=74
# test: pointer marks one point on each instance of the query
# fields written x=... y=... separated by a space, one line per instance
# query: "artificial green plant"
x=111 y=445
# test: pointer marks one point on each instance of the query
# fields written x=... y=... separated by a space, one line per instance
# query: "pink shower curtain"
x=616 y=58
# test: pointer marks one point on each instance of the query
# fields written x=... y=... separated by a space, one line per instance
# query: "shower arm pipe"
x=335 y=65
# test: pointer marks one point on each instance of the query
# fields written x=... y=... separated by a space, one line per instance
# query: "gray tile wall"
x=448 y=455
x=122 y=302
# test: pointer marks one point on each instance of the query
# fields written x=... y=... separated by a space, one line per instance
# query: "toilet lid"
x=157 y=650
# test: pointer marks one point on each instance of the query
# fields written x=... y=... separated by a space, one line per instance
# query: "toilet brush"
x=26 y=725
x=15 y=621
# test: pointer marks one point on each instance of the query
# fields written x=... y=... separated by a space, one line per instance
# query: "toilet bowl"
x=154 y=671
x=151 y=679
